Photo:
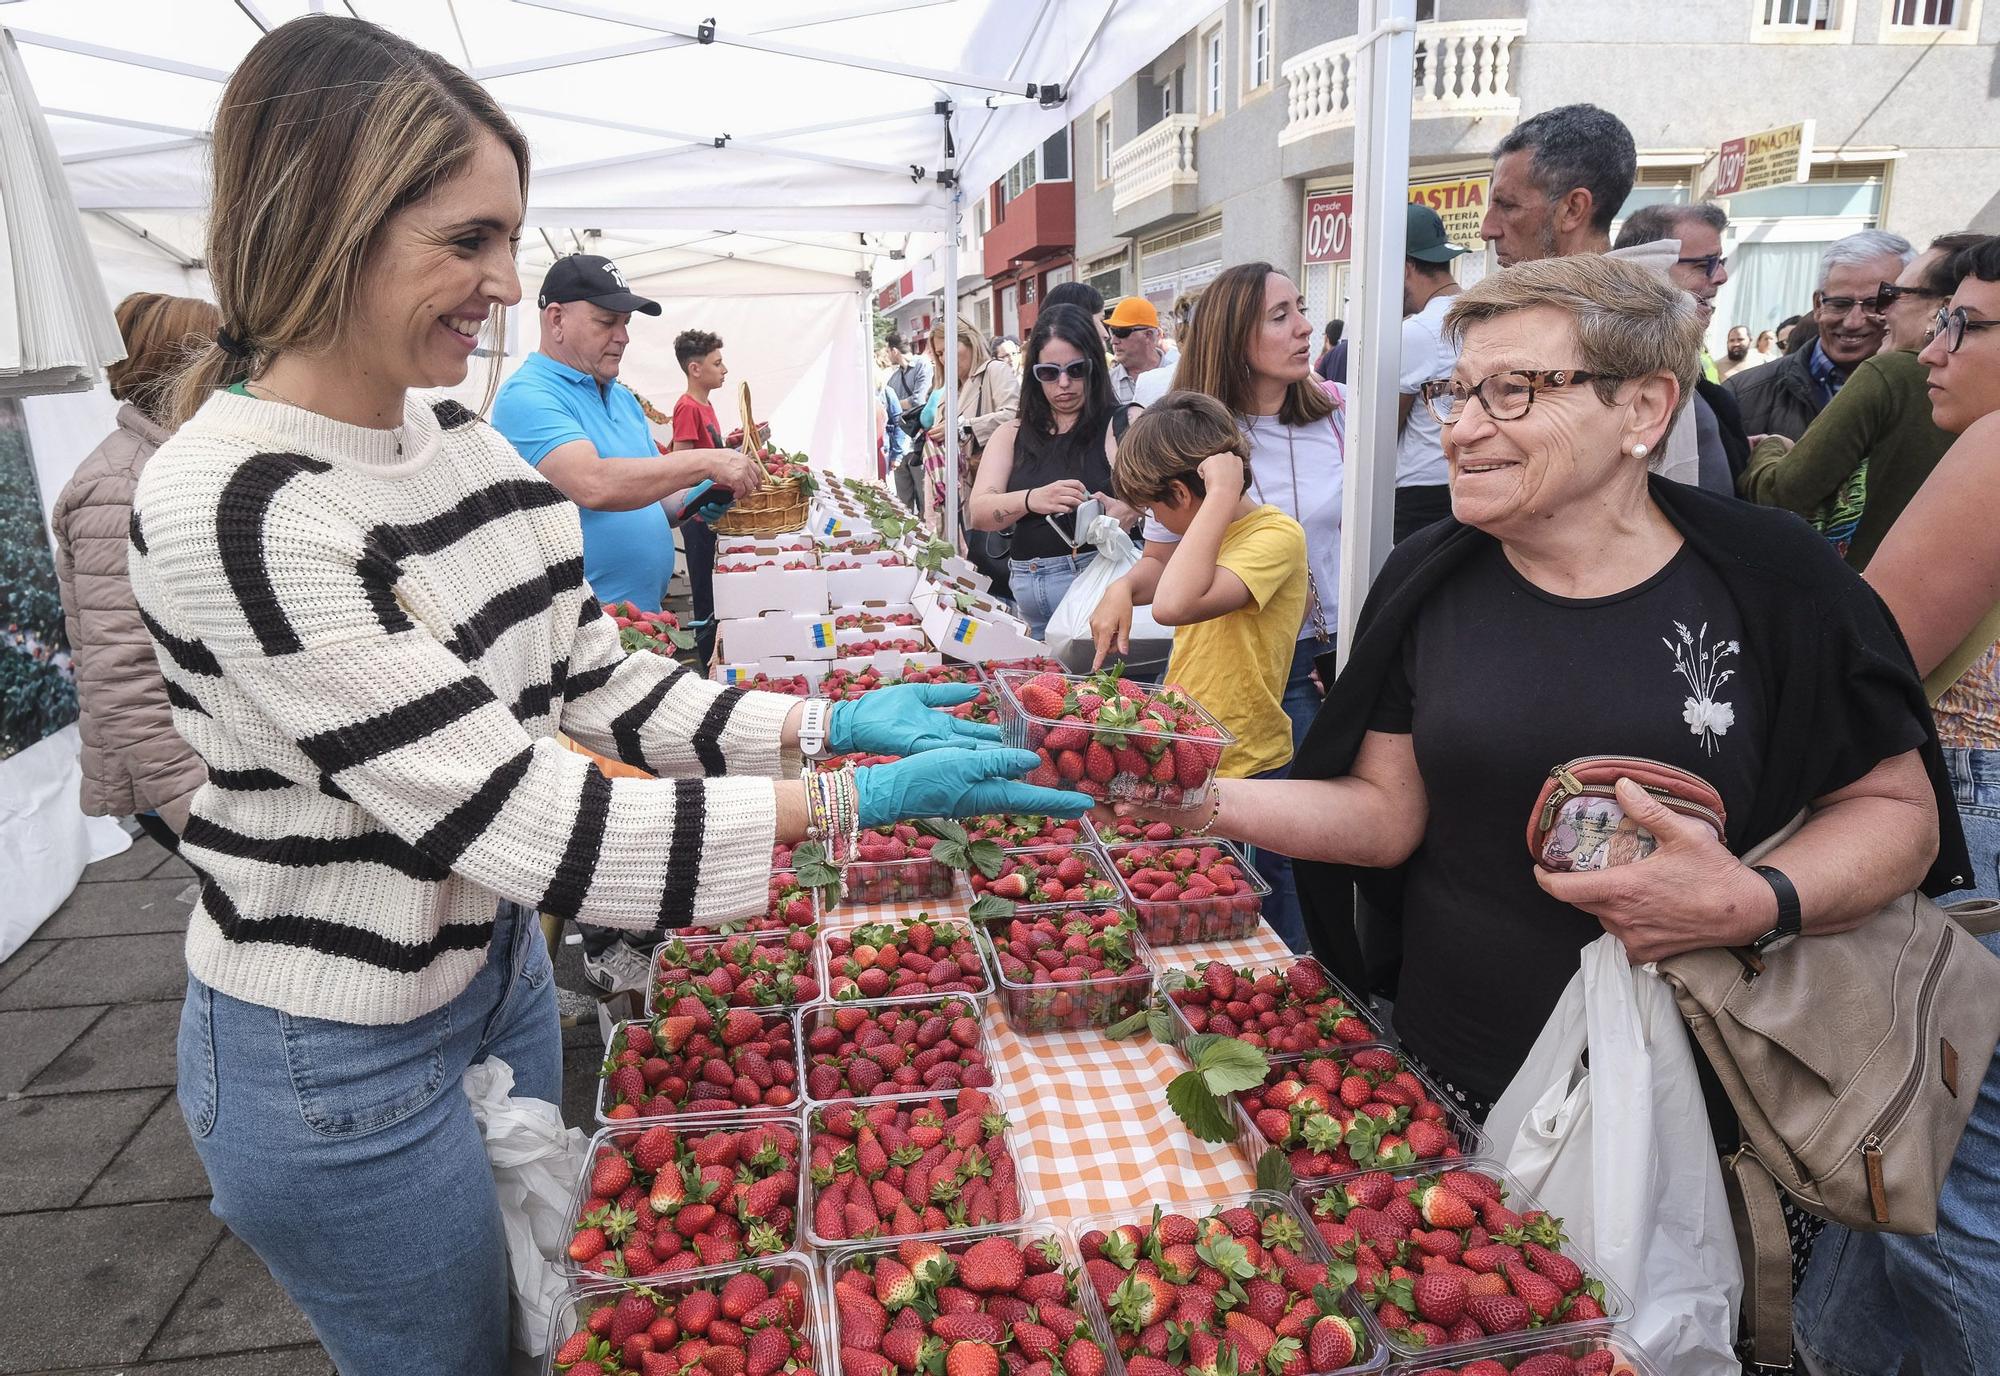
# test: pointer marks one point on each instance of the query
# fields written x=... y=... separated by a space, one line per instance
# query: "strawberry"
x=611 y=1175
x=572 y=1351
x=994 y=1264
x=1082 y=1357
x=1499 y=1313
x=741 y=1293
x=1098 y=765
x=1563 y=1273
x=1539 y=1293
x=1545 y=1364
x=1443 y=1209
x=1332 y=1343
x=1440 y=1297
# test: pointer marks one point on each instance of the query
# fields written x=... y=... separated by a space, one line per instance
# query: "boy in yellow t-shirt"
x=1235 y=587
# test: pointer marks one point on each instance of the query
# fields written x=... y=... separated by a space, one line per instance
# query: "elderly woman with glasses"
x=1041 y=469
x=1576 y=607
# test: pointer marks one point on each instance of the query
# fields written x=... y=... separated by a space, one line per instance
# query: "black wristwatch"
x=1790 y=919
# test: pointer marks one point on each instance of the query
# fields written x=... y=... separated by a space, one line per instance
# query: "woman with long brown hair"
x=374 y=623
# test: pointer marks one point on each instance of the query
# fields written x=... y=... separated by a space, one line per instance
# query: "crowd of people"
x=329 y=634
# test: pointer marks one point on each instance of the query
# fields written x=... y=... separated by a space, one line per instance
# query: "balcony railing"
x=1158 y=160
x=1463 y=68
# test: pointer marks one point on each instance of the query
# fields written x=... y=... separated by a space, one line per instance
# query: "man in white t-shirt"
x=1423 y=492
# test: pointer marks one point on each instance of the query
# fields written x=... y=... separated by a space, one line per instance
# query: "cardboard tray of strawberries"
x=1200 y=889
x=706 y=1066
x=1457 y=1264
x=1106 y=736
x=882 y=1169
x=1349 y=1111
x=892 y=959
x=1288 y=1008
x=965 y=1305
x=894 y=1048
x=1240 y=1283
x=690 y=1194
x=1594 y=1354
x=765 y=972
x=774 y=1321
x=1064 y=969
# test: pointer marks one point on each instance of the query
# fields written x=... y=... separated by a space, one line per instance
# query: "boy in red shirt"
x=695 y=427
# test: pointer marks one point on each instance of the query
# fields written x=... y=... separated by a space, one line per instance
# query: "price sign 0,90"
x=1329 y=235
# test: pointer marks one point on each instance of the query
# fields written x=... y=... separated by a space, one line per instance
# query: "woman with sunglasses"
x=1040 y=468
x=1871 y=1302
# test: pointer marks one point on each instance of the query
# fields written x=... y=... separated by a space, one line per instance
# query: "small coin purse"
x=1578 y=824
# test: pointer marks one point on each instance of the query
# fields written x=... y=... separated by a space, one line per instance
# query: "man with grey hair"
x=1558 y=181
x=1685 y=243
x=1783 y=397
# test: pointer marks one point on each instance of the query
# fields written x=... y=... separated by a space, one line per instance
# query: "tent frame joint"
x=704 y=32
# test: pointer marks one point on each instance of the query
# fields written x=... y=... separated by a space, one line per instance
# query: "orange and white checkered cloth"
x=1088 y=1118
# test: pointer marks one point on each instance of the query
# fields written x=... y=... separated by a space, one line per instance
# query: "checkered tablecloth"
x=1089 y=1122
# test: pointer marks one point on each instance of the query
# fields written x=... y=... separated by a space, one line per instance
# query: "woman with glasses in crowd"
x=1040 y=468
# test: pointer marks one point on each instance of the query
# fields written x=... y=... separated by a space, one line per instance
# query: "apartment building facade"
x=1236 y=143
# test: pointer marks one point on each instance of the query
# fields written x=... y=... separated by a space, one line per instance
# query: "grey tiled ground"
x=109 y=1257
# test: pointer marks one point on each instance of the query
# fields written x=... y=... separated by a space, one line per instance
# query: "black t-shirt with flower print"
x=1499 y=683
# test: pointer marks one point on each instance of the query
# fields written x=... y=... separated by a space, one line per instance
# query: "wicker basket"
x=776 y=508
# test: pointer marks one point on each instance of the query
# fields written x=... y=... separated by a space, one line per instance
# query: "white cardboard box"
x=873 y=582
x=777 y=635
x=770 y=589
x=727 y=545
x=887 y=663
x=983 y=632
x=737 y=672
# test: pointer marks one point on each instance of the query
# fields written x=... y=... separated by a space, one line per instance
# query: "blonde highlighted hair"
x=327 y=128
x=1629 y=321
x=1215 y=352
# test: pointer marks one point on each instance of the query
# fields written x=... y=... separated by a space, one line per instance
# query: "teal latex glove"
x=903 y=721
x=711 y=512
x=958 y=783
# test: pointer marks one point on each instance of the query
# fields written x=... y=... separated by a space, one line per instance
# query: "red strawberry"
x=654 y=1148
x=1098 y=766
x=611 y=1176
x=1563 y=1273
x=1083 y=1358
x=1546 y=1364
x=571 y=1352
x=993 y=1265
x=741 y=1293
x=1443 y=1209
x=1499 y=1313
x=1332 y=1343
x=1538 y=1292
x=739 y=1026
x=1440 y=1297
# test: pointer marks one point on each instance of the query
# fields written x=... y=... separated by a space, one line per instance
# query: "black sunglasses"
x=1709 y=263
x=1125 y=331
x=1889 y=293
x=1075 y=372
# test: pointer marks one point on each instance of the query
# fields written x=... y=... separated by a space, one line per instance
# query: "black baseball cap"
x=588 y=277
x=1424 y=238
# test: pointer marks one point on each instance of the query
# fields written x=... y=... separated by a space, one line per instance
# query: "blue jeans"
x=1281 y=904
x=1870 y=1298
x=1039 y=585
x=348 y=1158
x=1302 y=695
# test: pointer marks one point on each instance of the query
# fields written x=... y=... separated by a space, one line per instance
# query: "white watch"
x=813 y=723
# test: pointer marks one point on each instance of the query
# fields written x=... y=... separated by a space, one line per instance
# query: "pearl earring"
x=1638 y=451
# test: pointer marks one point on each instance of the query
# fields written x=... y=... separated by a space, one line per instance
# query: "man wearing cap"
x=568 y=415
x=1423 y=491
x=1135 y=343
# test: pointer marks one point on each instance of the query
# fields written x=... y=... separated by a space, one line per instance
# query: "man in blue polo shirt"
x=566 y=412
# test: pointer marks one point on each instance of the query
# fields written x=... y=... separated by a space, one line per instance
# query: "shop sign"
x=1776 y=157
x=1459 y=201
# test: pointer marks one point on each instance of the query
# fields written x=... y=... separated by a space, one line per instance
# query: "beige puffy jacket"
x=133 y=758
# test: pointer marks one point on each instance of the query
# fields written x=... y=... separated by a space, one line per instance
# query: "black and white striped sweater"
x=372 y=643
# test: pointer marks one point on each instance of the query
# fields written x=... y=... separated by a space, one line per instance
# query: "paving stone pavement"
x=109 y=1256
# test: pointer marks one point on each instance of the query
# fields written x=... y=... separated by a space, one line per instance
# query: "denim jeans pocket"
x=353 y=1080
x=194 y=1059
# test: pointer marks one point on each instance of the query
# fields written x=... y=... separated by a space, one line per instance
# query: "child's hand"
x=1223 y=474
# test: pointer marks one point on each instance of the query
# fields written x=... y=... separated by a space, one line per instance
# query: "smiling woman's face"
x=1568 y=448
x=439 y=267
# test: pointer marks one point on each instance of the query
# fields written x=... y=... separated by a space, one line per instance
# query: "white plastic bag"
x=536 y=1161
x=1620 y=1150
x=1069 y=624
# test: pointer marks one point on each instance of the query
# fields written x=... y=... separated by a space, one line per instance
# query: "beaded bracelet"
x=1207 y=827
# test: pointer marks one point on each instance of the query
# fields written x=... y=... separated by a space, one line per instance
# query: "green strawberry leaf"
x=1196 y=1105
x=1226 y=1064
x=986 y=856
x=1339 y=1276
x=1274 y=1172
x=1128 y=1027
x=1160 y=1025
x=987 y=908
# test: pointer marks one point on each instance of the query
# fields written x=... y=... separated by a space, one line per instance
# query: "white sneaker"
x=574 y=1007
x=619 y=968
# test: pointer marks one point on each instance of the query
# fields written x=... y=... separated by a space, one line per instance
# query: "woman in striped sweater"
x=372 y=621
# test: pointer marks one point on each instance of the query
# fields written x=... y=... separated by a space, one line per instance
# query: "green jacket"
x=1860 y=461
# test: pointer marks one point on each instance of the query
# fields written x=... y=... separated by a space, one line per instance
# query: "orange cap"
x=1133 y=310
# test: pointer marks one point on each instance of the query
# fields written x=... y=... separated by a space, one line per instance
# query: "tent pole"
x=1381 y=188
x=951 y=449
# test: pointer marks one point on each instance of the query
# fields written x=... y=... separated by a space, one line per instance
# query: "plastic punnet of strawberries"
x=797 y=684
x=1039 y=875
x=754 y=1323
x=737 y=971
x=1107 y=737
x=692 y=1059
x=1068 y=969
x=904 y=958
x=1137 y=829
x=1014 y=831
x=1442 y=1261
x=901 y=1168
x=1337 y=1112
x=1198 y=891
x=662 y=1200
x=1593 y=1356
x=893 y=864
x=1234 y=1292
x=1288 y=1008
x=1003 y=1303
x=857 y=1050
